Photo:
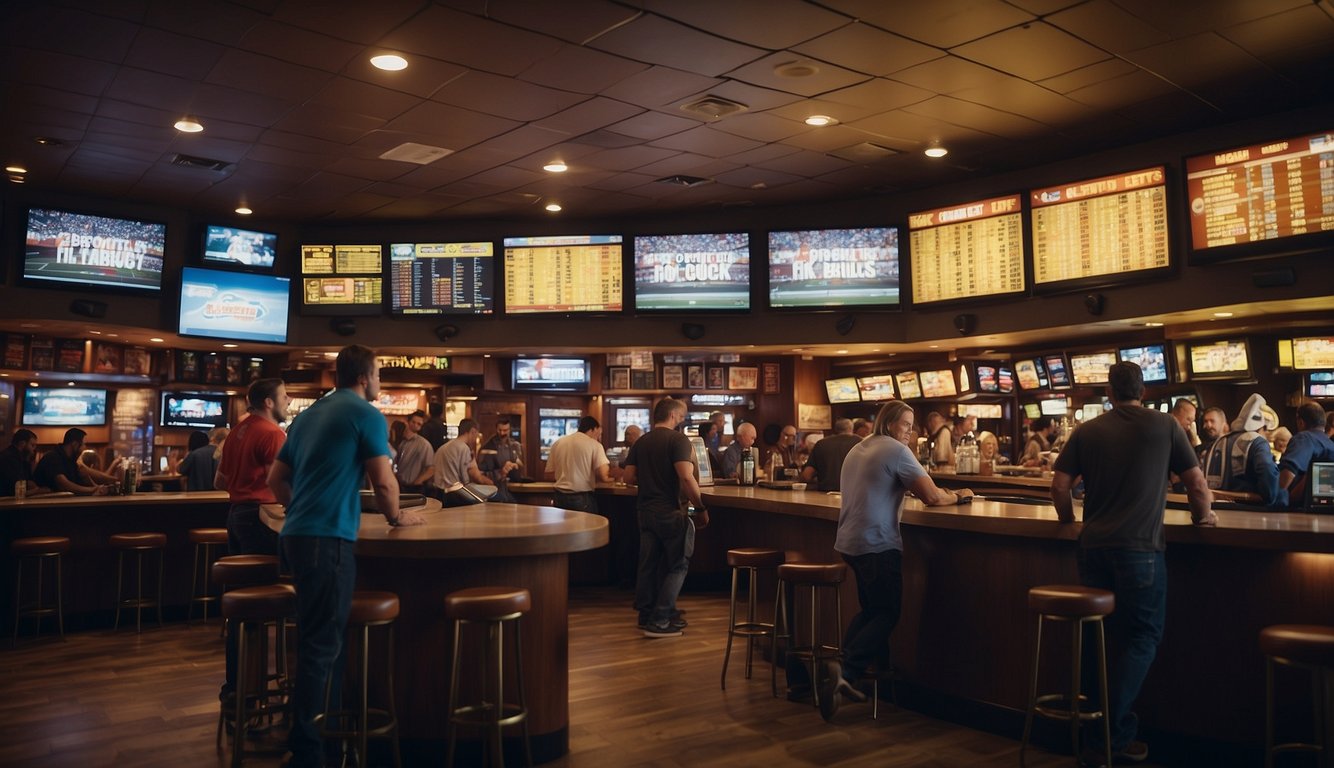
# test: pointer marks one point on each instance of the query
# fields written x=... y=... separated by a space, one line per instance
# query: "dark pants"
x=880 y=595
x=581 y=501
x=666 y=542
x=1134 y=629
x=246 y=535
x=325 y=570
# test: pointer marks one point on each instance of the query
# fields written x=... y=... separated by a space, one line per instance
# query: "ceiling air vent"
x=713 y=107
x=412 y=152
x=202 y=163
x=684 y=181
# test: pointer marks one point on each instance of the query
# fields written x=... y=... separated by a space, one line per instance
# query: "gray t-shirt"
x=1124 y=456
x=452 y=462
x=414 y=456
x=876 y=474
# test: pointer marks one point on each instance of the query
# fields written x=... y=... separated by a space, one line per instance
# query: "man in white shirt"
x=455 y=463
x=415 y=462
x=580 y=462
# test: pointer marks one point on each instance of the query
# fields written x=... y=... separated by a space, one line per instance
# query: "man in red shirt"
x=244 y=471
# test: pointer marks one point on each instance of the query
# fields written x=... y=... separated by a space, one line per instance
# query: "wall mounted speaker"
x=845 y=324
x=446 y=331
x=692 y=331
x=965 y=323
x=1094 y=303
x=343 y=326
x=1273 y=278
x=88 y=308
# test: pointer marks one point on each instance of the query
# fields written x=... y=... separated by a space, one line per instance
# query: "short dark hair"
x=466 y=426
x=1311 y=414
x=1041 y=423
x=261 y=390
x=665 y=407
x=354 y=361
x=435 y=408
x=889 y=413
x=1126 y=381
x=417 y=413
x=705 y=428
x=588 y=424
x=73 y=435
x=1180 y=403
x=197 y=439
x=22 y=436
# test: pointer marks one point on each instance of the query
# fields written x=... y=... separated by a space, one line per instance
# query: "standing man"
x=243 y=471
x=741 y=442
x=1124 y=457
x=60 y=469
x=16 y=463
x=826 y=462
x=861 y=428
x=1039 y=442
x=434 y=429
x=719 y=422
x=501 y=458
x=1183 y=411
x=785 y=448
x=416 y=460
x=580 y=462
x=662 y=463
x=454 y=463
x=317 y=476
x=632 y=435
x=877 y=472
x=1309 y=444
x=942 y=438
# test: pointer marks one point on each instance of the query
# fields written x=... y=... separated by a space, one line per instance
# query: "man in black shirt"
x=826 y=462
x=16 y=463
x=434 y=428
x=60 y=469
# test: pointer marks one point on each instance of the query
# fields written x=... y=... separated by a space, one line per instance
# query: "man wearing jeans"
x=662 y=463
x=1124 y=457
x=317 y=475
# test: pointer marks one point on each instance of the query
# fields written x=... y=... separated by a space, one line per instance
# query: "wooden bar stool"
x=1079 y=606
x=492 y=606
x=1308 y=647
x=250 y=611
x=369 y=609
x=751 y=560
x=815 y=576
x=140 y=544
x=204 y=539
x=38 y=549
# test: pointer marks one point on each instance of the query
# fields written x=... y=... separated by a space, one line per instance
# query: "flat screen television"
x=692 y=273
x=1032 y=410
x=442 y=278
x=200 y=410
x=1054 y=407
x=1320 y=384
x=564 y=273
x=937 y=383
x=1091 y=368
x=987 y=378
x=909 y=387
x=1259 y=200
x=876 y=388
x=236 y=306
x=1057 y=374
x=1005 y=379
x=232 y=246
x=93 y=251
x=1032 y=374
x=834 y=268
x=553 y=424
x=342 y=280
x=967 y=251
x=551 y=374
x=64 y=407
x=1313 y=351
x=842 y=390
x=982 y=410
x=1228 y=359
x=1151 y=358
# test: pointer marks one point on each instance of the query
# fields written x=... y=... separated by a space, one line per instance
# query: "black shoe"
x=831 y=674
x=665 y=629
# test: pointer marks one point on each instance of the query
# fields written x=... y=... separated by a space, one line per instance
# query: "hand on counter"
x=1210 y=519
x=409 y=517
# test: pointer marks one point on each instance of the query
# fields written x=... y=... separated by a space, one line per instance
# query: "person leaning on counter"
x=16 y=463
x=60 y=469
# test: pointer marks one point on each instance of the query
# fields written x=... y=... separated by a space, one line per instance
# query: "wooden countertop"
x=150 y=499
x=481 y=530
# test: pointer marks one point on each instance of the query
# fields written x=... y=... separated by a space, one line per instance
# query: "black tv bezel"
x=1222 y=375
x=204 y=261
x=630 y=253
x=287 y=328
x=1167 y=363
x=386 y=288
x=222 y=397
x=106 y=410
x=897 y=306
x=1071 y=359
x=75 y=285
x=1065 y=366
x=558 y=386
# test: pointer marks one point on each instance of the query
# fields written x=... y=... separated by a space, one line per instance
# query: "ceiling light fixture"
x=189 y=124
x=47 y=141
x=556 y=167
x=15 y=169
x=1153 y=324
x=229 y=346
x=16 y=178
x=1222 y=314
x=156 y=340
x=244 y=210
x=389 y=62
x=820 y=120
x=935 y=151
x=554 y=207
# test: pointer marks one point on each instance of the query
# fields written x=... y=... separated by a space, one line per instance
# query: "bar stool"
x=369 y=609
x=815 y=576
x=492 y=606
x=244 y=571
x=204 y=539
x=38 y=549
x=751 y=560
x=140 y=544
x=1079 y=606
x=1309 y=647
x=250 y=610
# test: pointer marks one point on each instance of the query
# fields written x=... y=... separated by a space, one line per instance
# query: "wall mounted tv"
x=842 y=390
x=1320 y=384
x=875 y=388
x=692 y=273
x=967 y=251
x=1032 y=374
x=551 y=374
x=1313 y=352
x=442 y=278
x=1151 y=358
x=200 y=410
x=233 y=305
x=232 y=246
x=93 y=251
x=909 y=387
x=937 y=383
x=1058 y=375
x=834 y=268
x=342 y=279
x=1263 y=199
x=1228 y=359
x=1032 y=410
x=1005 y=379
x=64 y=407
x=1091 y=368
x=564 y=273
x=987 y=378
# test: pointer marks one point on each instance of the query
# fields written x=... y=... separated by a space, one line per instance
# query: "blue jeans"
x=880 y=595
x=325 y=570
x=1134 y=629
x=666 y=542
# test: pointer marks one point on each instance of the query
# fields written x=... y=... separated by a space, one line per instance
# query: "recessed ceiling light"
x=553 y=207
x=390 y=62
x=229 y=346
x=842 y=352
x=16 y=178
x=47 y=141
x=936 y=151
x=1152 y=324
x=244 y=210
x=1222 y=314
x=69 y=383
x=95 y=333
x=15 y=169
x=32 y=384
x=156 y=340
x=112 y=335
x=820 y=120
x=556 y=167
x=189 y=124
x=486 y=355
x=935 y=346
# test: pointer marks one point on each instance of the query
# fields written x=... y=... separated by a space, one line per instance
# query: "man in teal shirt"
x=317 y=476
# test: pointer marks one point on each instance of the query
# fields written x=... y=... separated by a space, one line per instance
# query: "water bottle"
x=747 y=467
x=21 y=490
x=968 y=459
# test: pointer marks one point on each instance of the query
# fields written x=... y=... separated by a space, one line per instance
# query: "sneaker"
x=676 y=621
x=665 y=629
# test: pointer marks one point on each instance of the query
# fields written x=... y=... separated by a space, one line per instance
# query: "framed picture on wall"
x=137 y=361
x=771 y=378
x=642 y=379
x=743 y=377
x=620 y=378
x=107 y=358
x=672 y=377
x=814 y=416
x=716 y=377
x=695 y=377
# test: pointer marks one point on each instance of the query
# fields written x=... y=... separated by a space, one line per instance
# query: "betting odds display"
x=342 y=278
x=967 y=251
x=438 y=278
x=565 y=273
x=1262 y=192
x=1105 y=226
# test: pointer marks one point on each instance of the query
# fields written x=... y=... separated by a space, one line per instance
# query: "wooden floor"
x=104 y=699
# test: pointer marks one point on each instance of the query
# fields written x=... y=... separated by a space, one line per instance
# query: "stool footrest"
x=387 y=725
x=1064 y=713
x=462 y=715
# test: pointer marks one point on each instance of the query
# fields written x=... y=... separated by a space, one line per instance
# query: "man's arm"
x=380 y=472
x=1201 y=498
x=1062 y=483
x=932 y=495
x=603 y=473
x=280 y=482
x=477 y=476
x=1285 y=478
x=807 y=473
x=63 y=483
x=220 y=481
x=685 y=473
x=629 y=475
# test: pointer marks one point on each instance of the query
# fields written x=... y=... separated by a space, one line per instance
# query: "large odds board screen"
x=565 y=273
x=967 y=251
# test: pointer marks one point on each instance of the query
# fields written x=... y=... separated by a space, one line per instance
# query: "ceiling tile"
x=270 y=77
x=864 y=48
x=1288 y=41
x=57 y=70
x=68 y=30
x=1032 y=51
x=659 y=41
x=1021 y=97
x=706 y=141
x=593 y=18
x=507 y=177
x=1189 y=17
x=474 y=42
x=622 y=181
x=689 y=164
x=523 y=140
x=1130 y=88
x=363 y=98
x=173 y=54
x=371 y=170
x=760 y=126
x=761 y=154
x=1043 y=7
x=328 y=123
x=905 y=131
x=659 y=86
x=805 y=163
x=755 y=98
x=784 y=22
x=949 y=74
x=505 y=97
x=1108 y=26
x=1086 y=76
x=627 y=158
x=768 y=73
x=362 y=23
x=1194 y=60
x=581 y=70
x=755 y=178
x=942 y=23
x=652 y=125
x=240 y=106
x=423 y=77
x=299 y=46
x=452 y=127
x=978 y=117
x=828 y=138
x=879 y=95
x=223 y=23
x=588 y=116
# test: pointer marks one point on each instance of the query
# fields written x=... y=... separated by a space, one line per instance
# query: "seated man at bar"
x=785 y=450
x=60 y=469
x=826 y=463
x=742 y=441
x=200 y=465
x=16 y=463
x=861 y=427
x=1124 y=457
x=1240 y=461
x=1213 y=425
x=1183 y=411
x=1308 y=445
x=632 y=433
x=1039 y=442
x=416 y=462
x=455 y=465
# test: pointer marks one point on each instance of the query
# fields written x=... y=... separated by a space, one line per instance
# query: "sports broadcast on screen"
x=67 y=247
x=824 y=268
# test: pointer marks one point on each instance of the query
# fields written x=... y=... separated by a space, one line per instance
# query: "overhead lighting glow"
x=1152 y=324
x=390 y=62
x=553 y=207
x=820 y=120
x=1222 y=314
x=936 y=151
x=229 y=346
x=156 y=340
x=556 y=167
x=15 y=169
x=189 y=124
x=244 y=210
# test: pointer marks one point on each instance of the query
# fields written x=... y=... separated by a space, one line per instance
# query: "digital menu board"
x=825 y=268
x=937 y=383
x=1032 y=374
x=1057 y=373
x=559 y=374
x=1091 y=368
x=692 y=273
x=986 y=378
x=1313 y=352
x=1320 y=384
x=875 y=388
x=1152 y=361
x=1112 y=225
x=1243 y=199
x=909 y=387
x=565 y=273
x=966 y=251
x=842 y=390
x=441 y=278
x=981 y=410
x=93 y=251
x=342 y=279
x=1228 y=359
x=64 y=407
x=1005 y=379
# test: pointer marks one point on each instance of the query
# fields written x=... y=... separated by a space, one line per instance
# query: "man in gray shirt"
x=455 y=465
x=416 y=464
